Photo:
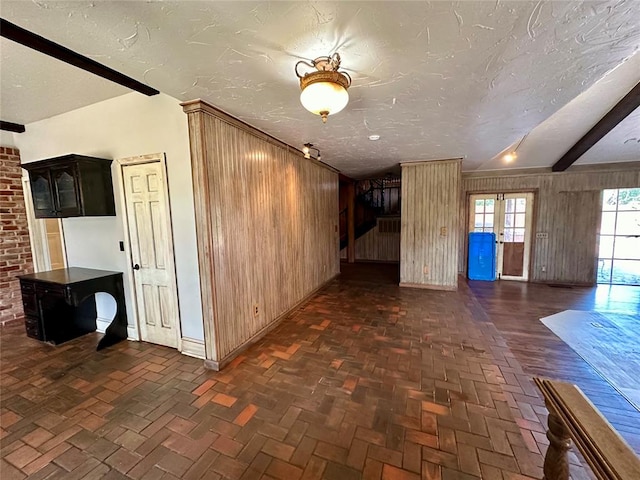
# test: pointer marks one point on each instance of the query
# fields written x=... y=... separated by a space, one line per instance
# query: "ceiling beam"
x=11 y=127
x=619 y=112
x=29 y=39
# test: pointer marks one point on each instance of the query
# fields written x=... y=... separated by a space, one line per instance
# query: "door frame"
x=527 y=245
x=139 y=160
x=534 y=220
x=38 y=233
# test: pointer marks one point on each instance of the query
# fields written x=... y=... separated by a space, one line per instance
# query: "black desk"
x=57 y=306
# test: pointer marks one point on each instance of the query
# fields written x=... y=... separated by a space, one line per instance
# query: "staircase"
x=374 y=198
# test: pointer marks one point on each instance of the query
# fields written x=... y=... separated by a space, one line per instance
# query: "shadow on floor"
x=379 y=273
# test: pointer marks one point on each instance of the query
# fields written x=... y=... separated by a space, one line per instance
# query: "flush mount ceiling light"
x=307 y=151
x=324 y=91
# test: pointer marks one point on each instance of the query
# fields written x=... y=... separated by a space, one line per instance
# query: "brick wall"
x=15 y=249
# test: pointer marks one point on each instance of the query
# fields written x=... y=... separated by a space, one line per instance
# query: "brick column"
x=15 y=248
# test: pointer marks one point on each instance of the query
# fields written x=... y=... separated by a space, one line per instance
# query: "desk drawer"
x=33 y=327
x=29 y=299
x=47 y=288
x=30 y=303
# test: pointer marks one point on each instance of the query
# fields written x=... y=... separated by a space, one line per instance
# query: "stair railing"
x=573 y=417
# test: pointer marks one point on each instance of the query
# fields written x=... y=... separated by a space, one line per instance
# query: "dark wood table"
x=59 y=305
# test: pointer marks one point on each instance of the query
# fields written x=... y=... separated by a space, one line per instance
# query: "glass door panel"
x=66 y=189
x=619 y=250
x=483 y=216
x=41 y=193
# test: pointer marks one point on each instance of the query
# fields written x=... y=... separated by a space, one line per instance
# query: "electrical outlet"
x=425 y=270
x=544 y=268
x=256 y=311
x=542 y=235
x=443 y=231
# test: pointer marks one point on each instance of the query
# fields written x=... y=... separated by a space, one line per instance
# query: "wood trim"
x=219 y=365
x=192 y=347
x=424 y=286
x=351 y=223
x=198 y=105
x=611 y=119
x=142 y=159
x=544 y=172
x=204 y=231
x=430 y=162
x=119 y=180
x=568 y=284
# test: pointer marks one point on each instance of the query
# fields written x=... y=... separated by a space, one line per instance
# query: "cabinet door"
x=42 y=193
x=55 y=314
x=65 y=183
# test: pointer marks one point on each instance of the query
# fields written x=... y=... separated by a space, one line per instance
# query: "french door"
x=619 y=250
x=510 y=217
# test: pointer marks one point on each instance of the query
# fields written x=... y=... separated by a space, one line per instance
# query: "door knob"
x=136 y=267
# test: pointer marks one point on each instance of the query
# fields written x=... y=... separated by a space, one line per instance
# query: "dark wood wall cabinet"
x=71 y=186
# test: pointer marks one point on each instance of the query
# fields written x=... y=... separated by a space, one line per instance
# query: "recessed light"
x=373 y=138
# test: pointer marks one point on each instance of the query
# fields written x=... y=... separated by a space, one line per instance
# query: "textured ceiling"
x=433 y=79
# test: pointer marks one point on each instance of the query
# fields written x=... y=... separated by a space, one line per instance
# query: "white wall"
x=7 y=139
x=126 y=126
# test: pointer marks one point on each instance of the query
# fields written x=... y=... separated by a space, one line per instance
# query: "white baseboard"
x=193 y=347
x=132 y=334
x=103 y=323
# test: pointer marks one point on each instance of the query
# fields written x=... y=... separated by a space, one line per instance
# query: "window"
x=619 y=253
x=484 y=215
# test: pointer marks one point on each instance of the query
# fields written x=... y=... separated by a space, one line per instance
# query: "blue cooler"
x=482 y=256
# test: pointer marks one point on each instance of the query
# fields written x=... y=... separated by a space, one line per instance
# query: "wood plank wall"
x=267 y=227
x=430 y=224
x=567 y=207
x=377 y=246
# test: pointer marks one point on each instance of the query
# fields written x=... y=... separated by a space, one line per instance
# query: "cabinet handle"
x=136 y=267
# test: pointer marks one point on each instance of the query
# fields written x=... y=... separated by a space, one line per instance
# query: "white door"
x=148 y=218
x=510 y=217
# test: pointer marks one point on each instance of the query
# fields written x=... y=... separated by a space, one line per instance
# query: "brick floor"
x=366 y=381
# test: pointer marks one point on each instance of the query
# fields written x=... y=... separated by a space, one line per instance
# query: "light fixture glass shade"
x=324 y=98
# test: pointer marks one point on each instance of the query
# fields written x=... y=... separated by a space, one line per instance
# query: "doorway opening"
x=619 y=238
x=510 y=217
x=46 y=236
